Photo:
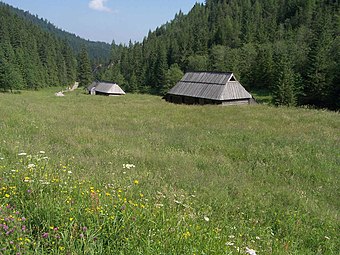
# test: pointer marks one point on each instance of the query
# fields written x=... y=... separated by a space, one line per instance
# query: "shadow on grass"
x=262 y=96
x=10 y=92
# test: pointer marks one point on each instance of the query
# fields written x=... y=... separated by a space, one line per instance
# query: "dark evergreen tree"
x=285 y=90
x=319 y=72
x=161 y=67
x=197 y=63
x=172 y=76
x=85 y=76
x=217 y=58
x=133 y=84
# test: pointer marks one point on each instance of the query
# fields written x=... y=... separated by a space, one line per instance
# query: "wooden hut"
x=104 y=88
x=209 y=88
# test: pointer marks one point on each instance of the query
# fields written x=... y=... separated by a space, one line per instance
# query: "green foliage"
x=244 y=37
x=133 y=85
x=217 y=58
x=172 y=76
x=197 y=63
x=96 y=50
x=32 y=58
x=228 y=179
x=85 y=76
x=113 y=74
x=10 y=77
x=285 y=89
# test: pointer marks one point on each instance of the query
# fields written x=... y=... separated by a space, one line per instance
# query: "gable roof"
x=209 y=85
x=108 y=88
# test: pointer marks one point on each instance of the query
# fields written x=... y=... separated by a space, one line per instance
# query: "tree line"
x=32 y=58
x=289 y=48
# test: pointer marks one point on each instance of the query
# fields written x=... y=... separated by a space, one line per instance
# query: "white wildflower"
x=206 y=218
x=22 y=154
x=257 y=238
x=231 y=236
x=129 y=166
x=250 y=251
x=229 y=244
x=69 y=172
x=1 y=158
x=42 y=152
x=31 y=166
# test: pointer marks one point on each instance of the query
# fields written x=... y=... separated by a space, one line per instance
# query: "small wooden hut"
x=209 y=88
x=104 y=88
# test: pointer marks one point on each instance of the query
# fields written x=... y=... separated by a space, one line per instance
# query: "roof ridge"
x=201 y=82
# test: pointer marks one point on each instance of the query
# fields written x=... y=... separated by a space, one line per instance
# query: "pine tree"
x=173 y=75
x=319 y=75
x=10 y=77
x=285 y=89
x=217 y=58
x=133 y=85
x=84 y=68
x=197 y=63
x=161 y=67
x=70 y=62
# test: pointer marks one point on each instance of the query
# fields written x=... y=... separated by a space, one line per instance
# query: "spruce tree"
x=133 y=84
x=172 y=76
x=285 y=89
x=84 y=68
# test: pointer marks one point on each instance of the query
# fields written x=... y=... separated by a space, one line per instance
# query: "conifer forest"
x=287 y=48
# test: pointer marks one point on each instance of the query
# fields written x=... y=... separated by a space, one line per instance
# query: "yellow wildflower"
x=186 y=234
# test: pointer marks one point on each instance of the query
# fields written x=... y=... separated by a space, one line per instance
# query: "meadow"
x=134 y=174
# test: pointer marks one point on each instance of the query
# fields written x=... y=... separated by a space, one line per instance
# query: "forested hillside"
x=32 y=58
x=98 y=51
x=290 y=48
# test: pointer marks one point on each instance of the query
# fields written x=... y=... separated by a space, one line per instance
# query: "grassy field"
x=135 y=175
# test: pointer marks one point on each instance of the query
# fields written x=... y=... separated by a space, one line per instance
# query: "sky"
x=106 y=20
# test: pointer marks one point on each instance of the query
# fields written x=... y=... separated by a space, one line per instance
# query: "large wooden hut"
x=209 y=88
x=104 y=88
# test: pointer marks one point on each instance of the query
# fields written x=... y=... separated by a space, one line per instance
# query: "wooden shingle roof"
x=208 y=85
x=105 y=87
x=109 y=88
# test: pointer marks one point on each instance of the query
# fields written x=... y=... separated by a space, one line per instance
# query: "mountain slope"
x=99 y=51
x=31 y=57
x=291 y=48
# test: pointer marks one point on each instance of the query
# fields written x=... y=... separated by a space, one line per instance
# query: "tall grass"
x=202 y=179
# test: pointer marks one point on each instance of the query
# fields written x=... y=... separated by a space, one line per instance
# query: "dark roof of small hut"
x=209 y=85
